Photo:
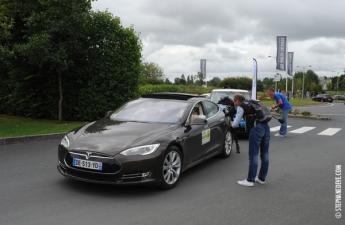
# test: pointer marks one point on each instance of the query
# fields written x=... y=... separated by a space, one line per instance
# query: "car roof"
x=172 y=95
x=230 y=90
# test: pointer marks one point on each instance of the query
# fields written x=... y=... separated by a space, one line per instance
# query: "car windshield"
x=151 y=111
x=218 y=95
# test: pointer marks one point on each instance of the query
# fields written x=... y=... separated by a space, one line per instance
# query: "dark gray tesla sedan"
x=152 y=139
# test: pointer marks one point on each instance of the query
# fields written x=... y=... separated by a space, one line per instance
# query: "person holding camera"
x=259 y=138
x=284 y=106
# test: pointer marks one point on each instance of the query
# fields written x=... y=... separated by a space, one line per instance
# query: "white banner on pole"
x=255 y=76
x=281 y=52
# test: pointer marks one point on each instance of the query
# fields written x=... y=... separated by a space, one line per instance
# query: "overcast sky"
x=229 y=33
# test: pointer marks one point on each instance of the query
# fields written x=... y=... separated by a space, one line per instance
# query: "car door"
x=215 y=121
x=195 y=136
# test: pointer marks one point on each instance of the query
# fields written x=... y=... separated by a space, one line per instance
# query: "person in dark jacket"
x=259 y=138
x=232 y=112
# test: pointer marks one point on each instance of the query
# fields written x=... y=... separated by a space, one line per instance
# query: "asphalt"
x=299 y=189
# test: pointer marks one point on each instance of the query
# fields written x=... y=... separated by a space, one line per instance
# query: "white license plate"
x=87 y=164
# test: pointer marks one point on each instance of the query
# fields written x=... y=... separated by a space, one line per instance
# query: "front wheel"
x=228 y=143
x=171 y=168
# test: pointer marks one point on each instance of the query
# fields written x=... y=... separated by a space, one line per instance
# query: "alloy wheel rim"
x=228 y=143
x=171 y=167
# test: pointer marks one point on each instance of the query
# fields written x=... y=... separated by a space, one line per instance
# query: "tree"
x=311 y=81
x=60 y=48
x=268 y=83
x=167 y=81
x=244 y=83
x=177 y=80
x=151 y=73
x=183 y=80
x=215 y=82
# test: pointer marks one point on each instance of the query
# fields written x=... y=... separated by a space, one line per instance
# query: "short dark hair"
x=239 y=97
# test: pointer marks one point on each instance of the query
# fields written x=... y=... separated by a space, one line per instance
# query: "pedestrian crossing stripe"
x=329 y=132
x=277 y=128
x=302 y=130
x=326 y=132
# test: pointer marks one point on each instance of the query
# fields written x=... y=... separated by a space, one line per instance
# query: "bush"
x=295 y=112
x=306 y=113
x=192 y=89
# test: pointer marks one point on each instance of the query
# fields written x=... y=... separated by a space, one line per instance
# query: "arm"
x=279 y=102
x=238 y=117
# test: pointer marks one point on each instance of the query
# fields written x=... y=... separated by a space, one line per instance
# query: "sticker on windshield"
x=206 y=136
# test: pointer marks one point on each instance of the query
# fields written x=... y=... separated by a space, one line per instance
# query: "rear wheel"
x=228 y=143
x=171 y=168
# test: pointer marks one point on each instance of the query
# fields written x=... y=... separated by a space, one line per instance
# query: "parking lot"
x=299 y=190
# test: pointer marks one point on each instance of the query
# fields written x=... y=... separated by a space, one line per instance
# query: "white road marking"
x=302 y=130
x=277 y=128
x=329 y=131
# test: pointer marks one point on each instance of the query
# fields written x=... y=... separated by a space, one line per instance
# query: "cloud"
x=177 y=33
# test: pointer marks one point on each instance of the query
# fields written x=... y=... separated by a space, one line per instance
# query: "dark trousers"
x=259 y=139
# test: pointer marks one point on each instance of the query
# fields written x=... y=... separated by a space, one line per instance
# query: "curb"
x=312 y=117
x=24 y=139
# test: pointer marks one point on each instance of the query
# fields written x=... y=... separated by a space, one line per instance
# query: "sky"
x=176 y=34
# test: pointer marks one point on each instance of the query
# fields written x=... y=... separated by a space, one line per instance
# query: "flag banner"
x=281 y=52
x=203 y=67
x=290 y=63
x=255 y=76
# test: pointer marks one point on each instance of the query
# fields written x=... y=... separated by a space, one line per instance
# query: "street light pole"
x=303 y=80
x=303 y=85
x=292 y=86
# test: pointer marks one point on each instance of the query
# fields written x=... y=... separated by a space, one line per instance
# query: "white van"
x=218 y=94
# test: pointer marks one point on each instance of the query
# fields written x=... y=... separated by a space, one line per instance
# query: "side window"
x=210 y=108
x=196 y=112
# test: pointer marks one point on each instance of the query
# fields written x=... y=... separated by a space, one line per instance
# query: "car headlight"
x=65 y=141
x=141 y=150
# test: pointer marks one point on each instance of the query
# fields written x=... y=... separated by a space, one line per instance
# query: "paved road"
x=300 y=188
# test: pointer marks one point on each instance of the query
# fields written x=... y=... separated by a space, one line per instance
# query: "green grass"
x=13 y=126
x=295 y=102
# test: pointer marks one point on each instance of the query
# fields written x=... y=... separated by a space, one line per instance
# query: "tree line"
x=61 y=60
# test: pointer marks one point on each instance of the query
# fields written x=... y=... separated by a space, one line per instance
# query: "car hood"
x=111 y=137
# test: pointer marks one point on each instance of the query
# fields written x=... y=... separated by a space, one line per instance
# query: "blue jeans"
x=283 y=126
x=259 y=138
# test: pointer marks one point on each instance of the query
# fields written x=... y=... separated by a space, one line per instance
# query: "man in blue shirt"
x=285 y=107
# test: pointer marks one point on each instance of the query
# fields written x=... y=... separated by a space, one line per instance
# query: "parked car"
x=339 y=97
x=218 y=94
x=152 y=139
x=323 y=98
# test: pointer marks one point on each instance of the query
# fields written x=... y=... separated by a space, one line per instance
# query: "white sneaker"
x=257 y=180
x=245 y=183
x=280 y=135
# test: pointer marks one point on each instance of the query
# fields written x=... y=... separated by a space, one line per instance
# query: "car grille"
x=111 y=165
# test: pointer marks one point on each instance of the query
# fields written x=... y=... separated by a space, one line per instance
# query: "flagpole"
x=255 y=78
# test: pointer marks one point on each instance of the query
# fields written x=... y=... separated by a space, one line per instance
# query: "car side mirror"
x=200 y=120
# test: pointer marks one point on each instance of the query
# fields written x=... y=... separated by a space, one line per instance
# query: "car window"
x=197 y=111
x=210 y=108
x=151 y=110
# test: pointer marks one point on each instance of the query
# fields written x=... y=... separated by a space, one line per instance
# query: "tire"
x=171 y=168
x=227 y=145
